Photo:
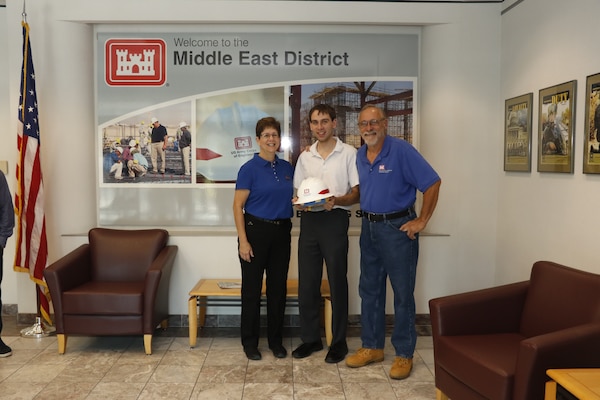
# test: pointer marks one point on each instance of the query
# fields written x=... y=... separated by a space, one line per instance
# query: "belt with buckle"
x=374 y=217
x=268 y=221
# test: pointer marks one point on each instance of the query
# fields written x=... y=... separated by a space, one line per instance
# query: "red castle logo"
x=243 y=142
x=135 y=62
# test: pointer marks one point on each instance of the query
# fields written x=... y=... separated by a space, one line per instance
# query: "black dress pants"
x=323 y=236
x=271 y=246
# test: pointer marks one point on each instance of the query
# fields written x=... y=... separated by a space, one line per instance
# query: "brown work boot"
x=401 y=368
x=364 y=357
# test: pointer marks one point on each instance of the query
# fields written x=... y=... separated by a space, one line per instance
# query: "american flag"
x=32 y=247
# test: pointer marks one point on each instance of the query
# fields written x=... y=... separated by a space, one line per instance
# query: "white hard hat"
x=132 y=143
x=153 y=120
x=183 y=124
x=312 y=191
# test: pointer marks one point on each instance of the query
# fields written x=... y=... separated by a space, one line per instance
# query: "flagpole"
x=37 y=330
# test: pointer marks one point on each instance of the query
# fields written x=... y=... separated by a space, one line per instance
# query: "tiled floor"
x=111 y=368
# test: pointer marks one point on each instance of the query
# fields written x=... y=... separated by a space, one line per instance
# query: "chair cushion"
x=105 y=298
x=486 y=363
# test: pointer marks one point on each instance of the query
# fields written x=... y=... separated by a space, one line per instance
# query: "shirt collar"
x=338 y=146
x=262 y=161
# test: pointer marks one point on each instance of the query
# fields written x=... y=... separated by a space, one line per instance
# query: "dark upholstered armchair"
x=497 y=343
x=117 y=284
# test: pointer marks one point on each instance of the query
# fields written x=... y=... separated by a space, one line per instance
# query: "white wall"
x=460 y=123
x=548 y=216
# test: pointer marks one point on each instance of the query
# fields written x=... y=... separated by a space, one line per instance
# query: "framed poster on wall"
x=591 y=140
x=556 y=128
x=517 y=133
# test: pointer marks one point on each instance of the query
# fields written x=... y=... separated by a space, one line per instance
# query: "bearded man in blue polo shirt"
x=390 y=172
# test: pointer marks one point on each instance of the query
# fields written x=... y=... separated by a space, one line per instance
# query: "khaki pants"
x=117 y=168
x=156 y=149
x=185 y=155
x=136 y=169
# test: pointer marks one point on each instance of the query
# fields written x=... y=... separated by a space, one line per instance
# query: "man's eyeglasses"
x=374 y=123
x=270 y=135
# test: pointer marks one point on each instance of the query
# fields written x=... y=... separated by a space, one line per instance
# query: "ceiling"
x=428 y=1
x=3 y=2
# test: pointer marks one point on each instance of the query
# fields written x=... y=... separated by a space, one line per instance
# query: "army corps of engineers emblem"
x=135 y=62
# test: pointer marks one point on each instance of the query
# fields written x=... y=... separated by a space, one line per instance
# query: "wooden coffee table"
x=208 y=293
x=580 y=383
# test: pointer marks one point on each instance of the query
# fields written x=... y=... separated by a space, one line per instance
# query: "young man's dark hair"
x=322 y=109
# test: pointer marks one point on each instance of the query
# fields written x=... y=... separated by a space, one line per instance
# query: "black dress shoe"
x=336 y=354
x=306 y=349
x=252 y=353
x=279 y=351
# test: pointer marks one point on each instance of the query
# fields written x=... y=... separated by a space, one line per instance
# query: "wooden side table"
x=580 y=383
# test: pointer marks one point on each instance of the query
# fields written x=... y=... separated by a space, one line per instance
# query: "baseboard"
x=423 y=321
x=9 y=310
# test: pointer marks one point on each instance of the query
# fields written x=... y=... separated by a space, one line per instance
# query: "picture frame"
x=591 y=139
x=556 y=128
x=518 y=133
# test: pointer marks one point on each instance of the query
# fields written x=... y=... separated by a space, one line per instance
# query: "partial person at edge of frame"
x=7 y=224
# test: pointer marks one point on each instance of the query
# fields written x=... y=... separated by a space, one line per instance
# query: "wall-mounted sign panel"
x=176 y=111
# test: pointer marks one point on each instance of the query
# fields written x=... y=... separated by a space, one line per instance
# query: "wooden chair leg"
x=148 y=344
x=439 y=395
x=164 y=324
x=62 y=343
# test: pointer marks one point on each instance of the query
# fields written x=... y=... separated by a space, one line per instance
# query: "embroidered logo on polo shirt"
x=383 y=170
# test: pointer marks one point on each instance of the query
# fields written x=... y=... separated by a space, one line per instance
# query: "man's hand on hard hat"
x=327 y=206
x=329 y=203
x=299 y=207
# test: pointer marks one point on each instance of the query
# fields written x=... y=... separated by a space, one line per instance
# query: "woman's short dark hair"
x=267 y=122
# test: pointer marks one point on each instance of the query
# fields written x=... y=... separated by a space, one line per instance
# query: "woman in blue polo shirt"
x=262 y=210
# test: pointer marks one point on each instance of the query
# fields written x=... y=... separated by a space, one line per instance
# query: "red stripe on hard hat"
x=324 y=191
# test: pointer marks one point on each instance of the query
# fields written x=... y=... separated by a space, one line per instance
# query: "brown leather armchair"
x=117 y=284
x=497 y=343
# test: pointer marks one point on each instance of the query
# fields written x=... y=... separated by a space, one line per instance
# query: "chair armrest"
x=64 y=274
x=492 y=310
x=575 y=347
x=69 y=271
x=156 y=292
